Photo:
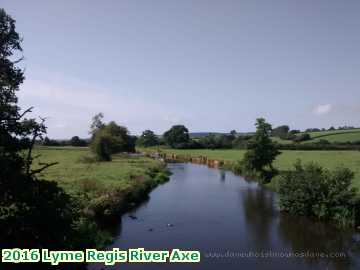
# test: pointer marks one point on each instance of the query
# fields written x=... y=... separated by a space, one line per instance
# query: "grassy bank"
x=285 y=161
x=101 y=190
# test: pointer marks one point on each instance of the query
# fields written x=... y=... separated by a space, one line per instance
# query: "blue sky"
x=210 y=65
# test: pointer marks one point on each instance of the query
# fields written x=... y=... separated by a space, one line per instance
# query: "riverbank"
x=101 y=191
x=285 y=161
x=219 y=214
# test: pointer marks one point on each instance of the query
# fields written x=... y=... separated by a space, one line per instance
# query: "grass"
x=285 y=161
x=344 y=137
x=350 y=135
x=71 y=172
x=101 y=190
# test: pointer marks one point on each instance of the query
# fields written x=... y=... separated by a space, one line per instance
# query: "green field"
x=285 y=161
x=341 y=136
x=71 y=173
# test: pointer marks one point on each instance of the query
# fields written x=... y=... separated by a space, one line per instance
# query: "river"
x=235 y=224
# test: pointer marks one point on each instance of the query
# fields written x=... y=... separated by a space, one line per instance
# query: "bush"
x=76 y=141
x=323 y=142
x=302 y=137
x=101 y=145
x=313 y=191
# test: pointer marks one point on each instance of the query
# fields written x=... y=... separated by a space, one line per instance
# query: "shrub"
x=311 y=190
x=76 y=141
x=101 y=146
x=323 y=142
x=302 y=137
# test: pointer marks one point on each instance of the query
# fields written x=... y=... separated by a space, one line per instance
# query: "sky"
x=210 y=65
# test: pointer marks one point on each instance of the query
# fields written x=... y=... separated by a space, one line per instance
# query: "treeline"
x=178 y=137
x=75 y=141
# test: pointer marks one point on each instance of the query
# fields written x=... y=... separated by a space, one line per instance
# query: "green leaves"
x=311 y=190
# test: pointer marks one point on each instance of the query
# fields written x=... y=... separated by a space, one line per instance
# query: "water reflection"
x=222 y=175
x=259 y=213
x=216 y=211
x=305 y=235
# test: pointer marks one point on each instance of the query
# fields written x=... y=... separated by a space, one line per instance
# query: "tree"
x=148 y=138
x=96 y=123
x=280 y=131
x=262 y=151
x=177 y=136
x=76 y=141
x=302 y=137
x=33 y=213
x=110 y=139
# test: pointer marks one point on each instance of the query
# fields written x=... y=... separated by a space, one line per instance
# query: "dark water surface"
x=226 y=217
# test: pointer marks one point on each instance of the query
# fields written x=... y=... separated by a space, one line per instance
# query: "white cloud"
x=322 y=109
x=69 y=107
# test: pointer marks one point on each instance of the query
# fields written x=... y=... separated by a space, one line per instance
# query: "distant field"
x=285 y=161
x=350 y=135
x=72 y=174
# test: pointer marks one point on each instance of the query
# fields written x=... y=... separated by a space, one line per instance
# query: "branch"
x=37 y=133
x=46 y=165
x=25 y=112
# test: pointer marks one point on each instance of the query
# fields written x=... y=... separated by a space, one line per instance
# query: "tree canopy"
x=33 y=213
x=110 y=139
x=177 y=136
x=148 y=138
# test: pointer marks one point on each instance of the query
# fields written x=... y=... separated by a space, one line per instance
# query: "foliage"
x=261 y=152
x=302 y=137
x=312 y=130
x=241 y=142
x=328 y=159
x=212 y=141
x=280 y=131
x=111 y=139
x=147 y=139
x=76 y=141
x=101 y=145
x=49 y=142
x=101 y=190
x=96 y=123
x=311 y=190
x=33 y=213
x=177 y=136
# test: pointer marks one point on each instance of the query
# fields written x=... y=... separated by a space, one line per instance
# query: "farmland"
x=332 y=136
x=285 y=161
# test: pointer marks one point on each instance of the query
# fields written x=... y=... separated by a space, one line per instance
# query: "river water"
x=234 y=223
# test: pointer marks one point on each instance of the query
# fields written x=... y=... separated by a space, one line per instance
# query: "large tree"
x=110 y=139
x=176 y=136
x=280 y=131
x=33 y=213
x=262 y=151
x=148 y=138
